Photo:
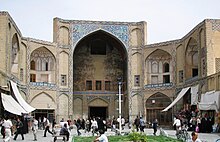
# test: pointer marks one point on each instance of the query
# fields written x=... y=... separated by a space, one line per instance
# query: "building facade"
x=78 y=74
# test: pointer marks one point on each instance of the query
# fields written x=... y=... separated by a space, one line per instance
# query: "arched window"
x=14 y=55
x=15 y=49
x=166 y=67
x=195 y=59
x=33 y=65
x=154 y=67
x=46 y=66
x=38 y=64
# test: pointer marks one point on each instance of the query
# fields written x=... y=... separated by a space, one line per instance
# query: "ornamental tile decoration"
x=106 y=98
x=81 y=30
x=215 y=24
x=120 y=31
x=93 y=93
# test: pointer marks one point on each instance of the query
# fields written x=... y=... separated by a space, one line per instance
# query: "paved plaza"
x=205 y=137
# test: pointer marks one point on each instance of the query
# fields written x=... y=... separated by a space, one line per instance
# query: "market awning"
x=180 y=95
x=210 y=101
x=11 y=105
x=19 y=98
x=194 y=95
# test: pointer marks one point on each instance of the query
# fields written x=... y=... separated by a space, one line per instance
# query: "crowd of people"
x=98 y=126
x=12 y=127
x=194 y=121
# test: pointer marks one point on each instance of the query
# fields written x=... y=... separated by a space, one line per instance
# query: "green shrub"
x=137 y=137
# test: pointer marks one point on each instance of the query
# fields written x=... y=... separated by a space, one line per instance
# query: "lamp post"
x=119 y=101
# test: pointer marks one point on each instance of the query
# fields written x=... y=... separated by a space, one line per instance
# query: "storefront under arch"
x=154 y=105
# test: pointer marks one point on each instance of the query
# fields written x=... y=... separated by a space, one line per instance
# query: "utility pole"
x=119 y=101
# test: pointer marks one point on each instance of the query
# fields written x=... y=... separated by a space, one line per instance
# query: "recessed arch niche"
x=154 y=105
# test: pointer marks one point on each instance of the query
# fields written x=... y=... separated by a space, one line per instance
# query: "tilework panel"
x=215 y=24
x=81 y=30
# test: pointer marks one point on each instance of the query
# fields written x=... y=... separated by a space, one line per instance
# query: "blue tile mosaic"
x=119 y=31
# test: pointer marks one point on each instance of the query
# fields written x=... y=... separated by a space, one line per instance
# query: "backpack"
x=142 y=122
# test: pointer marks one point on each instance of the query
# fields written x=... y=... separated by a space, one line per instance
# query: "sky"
x=166 y=19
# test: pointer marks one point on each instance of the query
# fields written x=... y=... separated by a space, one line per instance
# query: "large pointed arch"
x=99 y=59
x=85 y=63
x=105 y=33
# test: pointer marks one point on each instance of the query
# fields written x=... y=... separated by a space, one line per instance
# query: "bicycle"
x=183 y=134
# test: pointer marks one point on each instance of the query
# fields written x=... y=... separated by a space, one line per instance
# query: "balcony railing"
x=46 y=84
x=159 y=85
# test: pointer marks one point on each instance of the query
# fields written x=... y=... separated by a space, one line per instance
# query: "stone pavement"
x=171 y=133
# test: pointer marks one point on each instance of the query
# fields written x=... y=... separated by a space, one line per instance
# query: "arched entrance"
x=45 y=105
x=99 y=59
x=98 y=108
x=154 y=105
x=101 y=112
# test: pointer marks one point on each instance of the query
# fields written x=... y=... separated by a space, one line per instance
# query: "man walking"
x=137 y=123
x=47 y=127
x=142 y=124
x=155 y=125
x=19 y=127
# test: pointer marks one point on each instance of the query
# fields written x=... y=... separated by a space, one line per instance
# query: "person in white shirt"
x=7 y=124
x=102 y=137
x=94 y=126
x=35 y=128
x=177 y=123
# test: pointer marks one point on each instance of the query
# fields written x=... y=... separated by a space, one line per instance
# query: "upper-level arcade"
x=42 y=66
x=158 y=69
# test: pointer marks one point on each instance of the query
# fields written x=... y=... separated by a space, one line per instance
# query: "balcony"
x=159 y=85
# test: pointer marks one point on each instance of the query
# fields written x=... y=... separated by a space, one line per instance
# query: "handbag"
x=197 y=129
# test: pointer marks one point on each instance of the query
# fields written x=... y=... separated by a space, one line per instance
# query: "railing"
x=192 y=79
x=159 y=85
x=46 y=84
